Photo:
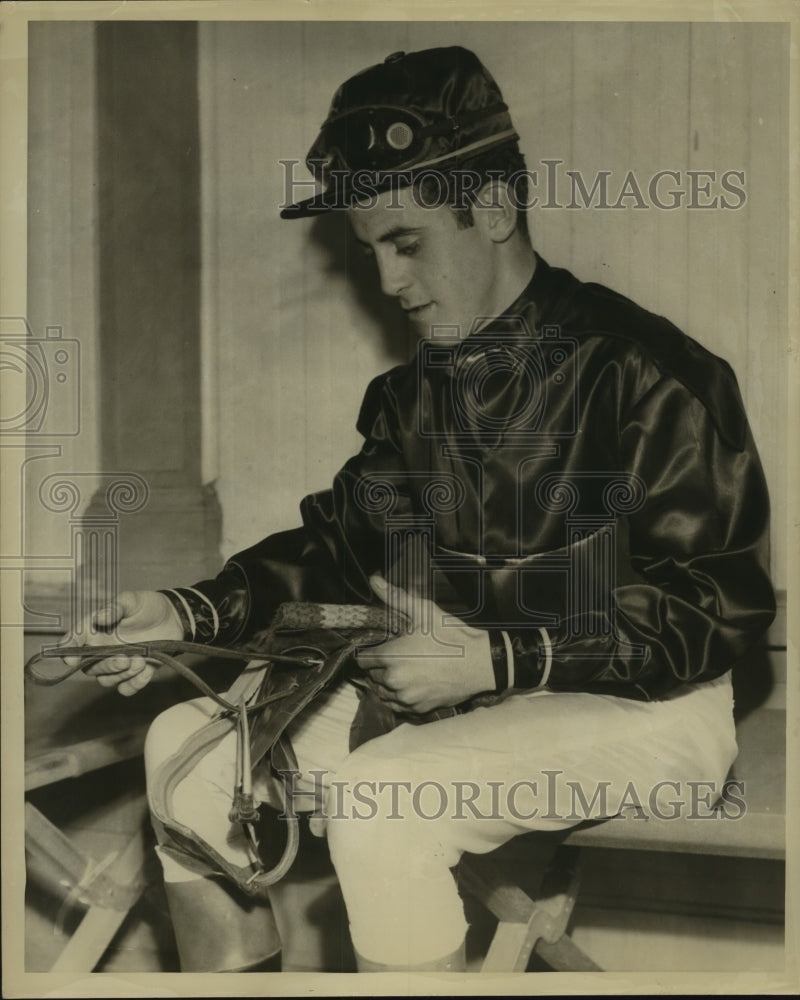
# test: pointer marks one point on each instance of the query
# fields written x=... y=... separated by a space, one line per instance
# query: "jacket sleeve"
x=328 y=559
x=691 y=589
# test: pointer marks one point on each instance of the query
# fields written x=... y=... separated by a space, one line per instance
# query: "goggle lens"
x=372 y=139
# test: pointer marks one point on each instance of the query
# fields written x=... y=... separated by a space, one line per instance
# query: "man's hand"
x=137 y=617
x=424 y=668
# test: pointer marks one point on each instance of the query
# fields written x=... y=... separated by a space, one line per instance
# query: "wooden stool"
x=526 y=923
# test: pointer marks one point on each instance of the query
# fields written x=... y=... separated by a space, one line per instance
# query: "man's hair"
x=458 y=186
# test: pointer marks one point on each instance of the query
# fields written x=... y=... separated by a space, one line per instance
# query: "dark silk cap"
x=413 y=113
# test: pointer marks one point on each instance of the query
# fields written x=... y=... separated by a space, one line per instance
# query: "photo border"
x=14 y=18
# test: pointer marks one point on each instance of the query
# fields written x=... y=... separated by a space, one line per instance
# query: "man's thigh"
x=540 y=761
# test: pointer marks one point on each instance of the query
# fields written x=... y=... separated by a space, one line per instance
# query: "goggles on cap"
x=390 y=138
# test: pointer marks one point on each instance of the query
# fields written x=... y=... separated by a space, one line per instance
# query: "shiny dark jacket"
x=578 y=465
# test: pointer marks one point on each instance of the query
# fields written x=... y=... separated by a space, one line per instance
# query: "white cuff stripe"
x=509 y=659
x=210 y=603
x=188 y=611
x=548 y=657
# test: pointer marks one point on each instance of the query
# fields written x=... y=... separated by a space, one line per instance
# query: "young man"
x=560 y=493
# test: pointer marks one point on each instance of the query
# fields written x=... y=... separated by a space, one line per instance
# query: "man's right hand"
x=137 y=616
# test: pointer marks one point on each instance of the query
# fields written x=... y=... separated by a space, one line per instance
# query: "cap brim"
x=371 y=183
x=312 y=206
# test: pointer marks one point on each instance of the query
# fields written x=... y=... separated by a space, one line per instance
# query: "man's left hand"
x=431 y=664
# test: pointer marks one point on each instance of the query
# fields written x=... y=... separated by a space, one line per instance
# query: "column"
x=149 y=297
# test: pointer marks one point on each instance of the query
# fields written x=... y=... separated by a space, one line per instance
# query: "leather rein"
x=163 y=652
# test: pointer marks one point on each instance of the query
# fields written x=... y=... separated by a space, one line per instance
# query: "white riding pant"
x=402 y=808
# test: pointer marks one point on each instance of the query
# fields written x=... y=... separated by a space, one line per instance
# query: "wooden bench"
x=538 y=919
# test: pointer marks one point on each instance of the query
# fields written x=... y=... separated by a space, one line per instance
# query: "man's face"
x=441 y=275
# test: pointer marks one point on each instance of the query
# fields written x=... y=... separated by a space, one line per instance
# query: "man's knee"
x=169 y=730
x=373 y=803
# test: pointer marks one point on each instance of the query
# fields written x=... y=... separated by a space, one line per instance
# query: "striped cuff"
x=197 y=613
x=512 y=672
x=500 y=660
x=548 y=657
x=532 y=665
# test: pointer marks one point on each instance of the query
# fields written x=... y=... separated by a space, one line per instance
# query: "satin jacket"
x=579 y=473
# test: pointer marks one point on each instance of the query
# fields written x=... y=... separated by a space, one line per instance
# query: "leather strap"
x=292 y=616
x=163 y=652
x=175 y=768
x=170 y=774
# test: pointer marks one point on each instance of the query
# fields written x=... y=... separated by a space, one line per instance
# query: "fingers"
x=93 y=630
x=371 y=660
x=70 y=640
x=397 y=707
x=382 y=684
x=116 y=668
x=127 y=674
x=108 y=616
x=394 y=699
x=113 y=616
x=375 y=669
x=131 y=619
x=381 y=687
x=95 y=627
x=101 y=627
x=406 y=609
x=138 y=681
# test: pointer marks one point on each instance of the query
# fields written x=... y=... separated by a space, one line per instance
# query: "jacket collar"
x=539 y=298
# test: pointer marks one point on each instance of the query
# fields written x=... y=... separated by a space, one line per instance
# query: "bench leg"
x=525 y=923
x=97 y=929
x=565 y=956
x=111 y=893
